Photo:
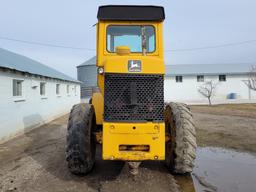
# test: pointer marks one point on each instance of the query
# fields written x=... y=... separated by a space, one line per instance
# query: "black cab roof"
x=130 y=13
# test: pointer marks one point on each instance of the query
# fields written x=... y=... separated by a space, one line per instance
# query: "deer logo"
x=134 y=66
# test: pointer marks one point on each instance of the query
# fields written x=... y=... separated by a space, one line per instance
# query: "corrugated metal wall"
x=88 y=75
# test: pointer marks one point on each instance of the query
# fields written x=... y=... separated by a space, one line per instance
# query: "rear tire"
x=181 y=148
x=81 y=145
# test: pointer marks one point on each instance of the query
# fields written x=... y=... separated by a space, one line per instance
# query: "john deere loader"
x=128 y=115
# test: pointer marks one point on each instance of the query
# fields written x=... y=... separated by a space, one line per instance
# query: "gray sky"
x=188 y=24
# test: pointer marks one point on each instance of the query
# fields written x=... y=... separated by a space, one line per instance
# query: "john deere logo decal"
x=134 y=66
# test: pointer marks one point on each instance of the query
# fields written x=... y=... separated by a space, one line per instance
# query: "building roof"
x=130 y=13
x=197 y=69
x=21 y=63
x=207 y=69
x=91 y=61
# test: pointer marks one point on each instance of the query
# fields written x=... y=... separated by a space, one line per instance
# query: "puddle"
x=224 y=170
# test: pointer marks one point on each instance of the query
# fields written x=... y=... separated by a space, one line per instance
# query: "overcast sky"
x=188 y=24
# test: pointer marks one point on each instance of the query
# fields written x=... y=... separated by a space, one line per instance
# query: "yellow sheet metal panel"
x=118 y=137
x=152 y=63
x=97 y=102
x=103 y=54
x=116 y=134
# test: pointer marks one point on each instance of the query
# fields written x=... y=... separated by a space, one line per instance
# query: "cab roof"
x=130 y=13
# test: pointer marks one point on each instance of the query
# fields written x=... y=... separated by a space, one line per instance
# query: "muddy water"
x=224 y=171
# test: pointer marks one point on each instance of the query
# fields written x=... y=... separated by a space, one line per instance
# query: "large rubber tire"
x=81 y=144
x=181 y=148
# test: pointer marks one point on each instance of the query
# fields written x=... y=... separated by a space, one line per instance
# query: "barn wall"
x=187 y=91
x=17 y=114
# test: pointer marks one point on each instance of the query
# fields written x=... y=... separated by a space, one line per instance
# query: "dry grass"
x=228 y=126
x=240 y=110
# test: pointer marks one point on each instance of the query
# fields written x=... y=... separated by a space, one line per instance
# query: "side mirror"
x=123 y=50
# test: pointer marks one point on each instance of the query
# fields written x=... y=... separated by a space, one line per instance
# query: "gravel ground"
x=36 y=162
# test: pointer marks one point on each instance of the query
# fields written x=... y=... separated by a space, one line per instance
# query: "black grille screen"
x=133 y=97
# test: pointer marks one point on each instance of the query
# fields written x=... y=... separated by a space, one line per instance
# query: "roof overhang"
x=2 y=68
x=130 y=13
x=169 y=74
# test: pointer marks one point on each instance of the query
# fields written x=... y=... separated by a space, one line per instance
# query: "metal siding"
x=87 y=74
x=91 y=61
x=21 y=63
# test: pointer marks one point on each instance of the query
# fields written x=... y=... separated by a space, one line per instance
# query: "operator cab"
x=129 y=30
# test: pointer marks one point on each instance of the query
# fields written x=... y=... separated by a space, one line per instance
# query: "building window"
x=57 y=89
x=17 y=87
x=67 y=89
x=75 y=89
x=179 y=79
x=200 y=78
x=42 y=88
x=222 y=77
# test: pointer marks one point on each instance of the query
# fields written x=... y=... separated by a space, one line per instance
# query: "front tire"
x=81 y=144
x=181 y=148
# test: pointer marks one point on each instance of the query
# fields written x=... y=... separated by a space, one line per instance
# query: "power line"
x=212 y=47
x=168 y=50
x=46 y=44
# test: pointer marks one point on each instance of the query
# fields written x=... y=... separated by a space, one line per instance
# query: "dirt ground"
x=36 y=161
x=228 y=126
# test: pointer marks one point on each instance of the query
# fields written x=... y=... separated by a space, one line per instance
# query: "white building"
x=32 y=94
x=183 y=81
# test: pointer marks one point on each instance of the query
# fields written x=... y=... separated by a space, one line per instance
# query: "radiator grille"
x=133 y=97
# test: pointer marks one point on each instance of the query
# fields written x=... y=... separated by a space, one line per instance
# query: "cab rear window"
x=136 y=38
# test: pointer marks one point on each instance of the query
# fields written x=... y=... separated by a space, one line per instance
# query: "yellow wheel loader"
x=127 y=115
